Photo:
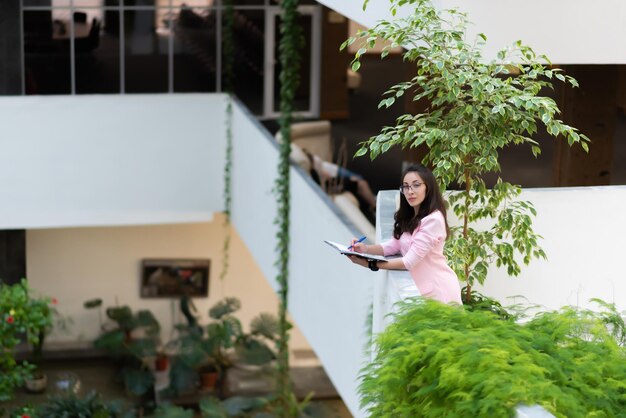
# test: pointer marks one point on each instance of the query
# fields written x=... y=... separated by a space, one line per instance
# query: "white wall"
x=77 y=264
x=568 y=31
x=584 y=238
x=110 y=159
x=158 y=159
x=329 y=297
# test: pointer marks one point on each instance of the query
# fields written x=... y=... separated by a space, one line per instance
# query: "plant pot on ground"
x=208 y=378
x=131 y=342
x=208 y=352
x=161 y=362
x=37 y=382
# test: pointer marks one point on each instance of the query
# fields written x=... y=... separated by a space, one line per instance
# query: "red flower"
x=54 y=301
x=10 y=320
x=25 y=416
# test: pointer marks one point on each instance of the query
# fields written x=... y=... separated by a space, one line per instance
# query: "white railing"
x=329 y=297
x=391 y=286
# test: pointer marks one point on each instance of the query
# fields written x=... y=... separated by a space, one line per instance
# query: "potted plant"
x=234 y=352
x=20 y=314
x=204 y=354
x=132 y=341
x=71 y=405
x=37 y=382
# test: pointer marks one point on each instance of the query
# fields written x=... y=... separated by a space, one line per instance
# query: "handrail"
x=392 y=286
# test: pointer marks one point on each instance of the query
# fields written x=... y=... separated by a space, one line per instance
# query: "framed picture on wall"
x=163 y=278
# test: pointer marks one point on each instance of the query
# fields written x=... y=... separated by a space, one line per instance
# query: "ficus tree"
x=475 y=109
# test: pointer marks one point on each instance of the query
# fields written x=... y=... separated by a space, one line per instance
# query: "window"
x=160 y=46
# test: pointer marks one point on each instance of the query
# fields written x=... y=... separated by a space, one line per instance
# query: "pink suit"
x=422 y=255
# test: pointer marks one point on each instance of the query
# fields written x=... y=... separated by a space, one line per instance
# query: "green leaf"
x=585 y=146
x=93 y=303
x=361 y=152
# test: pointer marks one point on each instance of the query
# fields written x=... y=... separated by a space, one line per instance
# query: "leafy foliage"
x=228 y=57
x=228 y=184
x=130 y=351
x=439 y=360
x=265 y=325
x=289 y=49
x=170 y=411
x=220 y=343
x=91 y=406
x=224 y=307
x=20 y=314
x=480 y=302
x=475 y=110
x=258 y=407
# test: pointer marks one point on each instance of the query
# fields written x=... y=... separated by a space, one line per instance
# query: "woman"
x=419 y=233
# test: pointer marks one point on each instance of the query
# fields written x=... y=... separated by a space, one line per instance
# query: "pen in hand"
x=357 y=241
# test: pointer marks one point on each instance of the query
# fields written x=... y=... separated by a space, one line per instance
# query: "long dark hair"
x=406 y=220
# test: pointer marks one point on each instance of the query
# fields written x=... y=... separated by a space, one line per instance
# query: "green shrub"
x=90 y=406
x=21 y=316
x=437 y=360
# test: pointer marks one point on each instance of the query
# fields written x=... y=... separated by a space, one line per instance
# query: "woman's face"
x=413 y=189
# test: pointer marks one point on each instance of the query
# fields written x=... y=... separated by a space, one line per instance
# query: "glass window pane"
x=195 y=62
x=46 y=54
x=301 y=100
x=145 y=54
x=88 y=3
x=248 y=2
x=111 y=21
x=97 y=58
x=300 y=3
x=40 y=3
x=249 y=58
x=189 y=3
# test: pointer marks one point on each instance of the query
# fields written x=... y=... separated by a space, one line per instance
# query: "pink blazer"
x=422 y=255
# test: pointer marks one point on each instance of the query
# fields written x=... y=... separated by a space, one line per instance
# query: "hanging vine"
x=228 y=53
x=291 y=43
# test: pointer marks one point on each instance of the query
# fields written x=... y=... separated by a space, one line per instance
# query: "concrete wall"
x=584 y=238
x=329 y=297
x=110 y=159
x=568 y=31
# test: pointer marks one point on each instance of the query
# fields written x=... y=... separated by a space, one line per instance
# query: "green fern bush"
x=437 y=360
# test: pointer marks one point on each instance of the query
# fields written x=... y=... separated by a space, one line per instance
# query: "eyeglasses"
x=415 y=187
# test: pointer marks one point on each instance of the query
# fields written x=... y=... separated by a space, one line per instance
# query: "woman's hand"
x=358 y=260
x=358 y=247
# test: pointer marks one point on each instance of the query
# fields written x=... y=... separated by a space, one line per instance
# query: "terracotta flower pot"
x=208 y=380
x=37 y=383
x=161 y=363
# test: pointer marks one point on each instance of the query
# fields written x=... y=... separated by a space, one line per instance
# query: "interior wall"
x=567 y=31
x=584 y=238
x=77 y=264
x=100 y=160
x=329 y=297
